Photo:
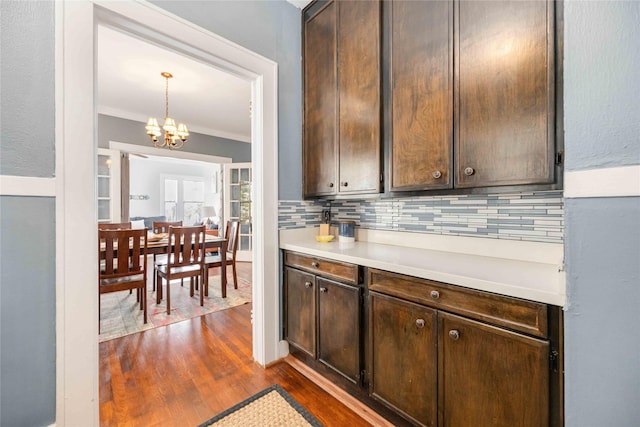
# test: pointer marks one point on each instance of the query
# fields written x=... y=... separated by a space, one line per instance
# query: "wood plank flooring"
x=187 y=372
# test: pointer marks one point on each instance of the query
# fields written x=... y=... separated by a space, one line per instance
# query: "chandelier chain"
x=166 y=97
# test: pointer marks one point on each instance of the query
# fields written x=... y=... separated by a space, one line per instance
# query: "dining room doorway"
x=76 y=304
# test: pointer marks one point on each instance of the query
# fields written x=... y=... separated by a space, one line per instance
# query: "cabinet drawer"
x=333 y=269
x=514 y=313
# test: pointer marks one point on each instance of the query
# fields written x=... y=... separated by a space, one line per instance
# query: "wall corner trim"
x=623 y=181
x=27 y=186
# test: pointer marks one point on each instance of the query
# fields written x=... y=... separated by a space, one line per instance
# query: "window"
x=183 y=199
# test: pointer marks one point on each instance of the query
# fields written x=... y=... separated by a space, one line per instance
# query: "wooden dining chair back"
x=158 y=227
x=185 y=249
x=163 y=226
x=122 y=263
x=113 y=225
x=231 y=234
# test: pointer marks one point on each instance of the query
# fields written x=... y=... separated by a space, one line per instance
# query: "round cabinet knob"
x=315 y=264
x=330 y=184
x=435 y=294
x=420 y=323
x=469 y=171
x=454 y=334
x=437 y=174
x=323 y=290
x=344 y=184
x=307 y=285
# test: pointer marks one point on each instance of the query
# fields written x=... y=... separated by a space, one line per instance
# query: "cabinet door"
x=339 y=327
x=421 y=81
x=300 y=310
x=359 y=96
x=504 y=86
x=490 y=376
x=403 y=339
x=320 y=104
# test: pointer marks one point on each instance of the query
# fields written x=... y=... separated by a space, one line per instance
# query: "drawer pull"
x=454 y=334
x=420 y=323
x=344 y=184
x=435 y=294
x=323 y=290
x=308 y=285
x=314 y=264
x=330 y=185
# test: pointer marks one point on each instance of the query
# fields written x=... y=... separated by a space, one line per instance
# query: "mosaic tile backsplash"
x=534 y=216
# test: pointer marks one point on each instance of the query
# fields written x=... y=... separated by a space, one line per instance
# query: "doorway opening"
x=77 y=303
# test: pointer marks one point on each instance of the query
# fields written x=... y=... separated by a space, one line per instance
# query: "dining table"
x=157 y=245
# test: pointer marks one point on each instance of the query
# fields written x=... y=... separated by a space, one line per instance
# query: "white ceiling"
x=207 y=100
x=130 y=86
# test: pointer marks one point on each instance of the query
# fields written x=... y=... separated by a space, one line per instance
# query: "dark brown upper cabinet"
x=504 y=93
x=421 y=94
x=342 y=144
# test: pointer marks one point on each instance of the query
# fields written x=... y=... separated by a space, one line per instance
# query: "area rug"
x=270 y=407
x=120 y=315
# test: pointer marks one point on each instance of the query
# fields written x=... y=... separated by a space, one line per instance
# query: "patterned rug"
x=120 y=314
x=270 y=407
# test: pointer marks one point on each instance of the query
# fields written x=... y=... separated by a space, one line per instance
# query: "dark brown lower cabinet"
x=300 y=310
x=403 y=342
x=339 y=327
x=323 y=320
x=439 y=369
x=432 y=354
x=489 y=376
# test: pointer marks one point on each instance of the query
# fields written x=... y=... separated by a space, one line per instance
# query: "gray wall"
x=26 y=78
x=27 y=311
x=27 y=266
x=602 y=235
x=272 y=29
x=131 y=132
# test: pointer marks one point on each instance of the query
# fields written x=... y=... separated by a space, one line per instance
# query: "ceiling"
x=206 y=99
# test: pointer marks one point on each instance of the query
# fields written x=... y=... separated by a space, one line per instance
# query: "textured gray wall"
x=272 y=29
x=27 y=114
x=27 y=311
x=131 y=132
x=602 y=235
x=601 y=75
x=27 y=224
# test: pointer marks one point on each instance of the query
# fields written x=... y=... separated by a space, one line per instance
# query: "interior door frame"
x=76 y=117
x=245 y=256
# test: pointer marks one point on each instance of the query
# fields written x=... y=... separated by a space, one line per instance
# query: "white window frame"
x=180 y=202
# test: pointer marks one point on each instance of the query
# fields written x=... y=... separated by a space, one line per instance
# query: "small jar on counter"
x=346 y=231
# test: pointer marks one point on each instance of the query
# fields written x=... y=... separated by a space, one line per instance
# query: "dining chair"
x=231 y=234
x=163 y=226
x=185 y=249
x=113 y=225
x=158 y=227
x=119 y=269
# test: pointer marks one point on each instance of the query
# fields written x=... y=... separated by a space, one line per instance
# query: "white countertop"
x=528 y=270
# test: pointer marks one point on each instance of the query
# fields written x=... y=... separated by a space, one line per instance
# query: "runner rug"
x=270 y=407
x=120 y=314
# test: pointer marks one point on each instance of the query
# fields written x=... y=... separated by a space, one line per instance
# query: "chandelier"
x=174 y=136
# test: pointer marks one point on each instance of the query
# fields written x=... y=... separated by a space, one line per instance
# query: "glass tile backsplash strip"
x=535 y=216
x=300 y=214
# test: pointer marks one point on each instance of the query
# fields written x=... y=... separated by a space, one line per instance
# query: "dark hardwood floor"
x=187 y=372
